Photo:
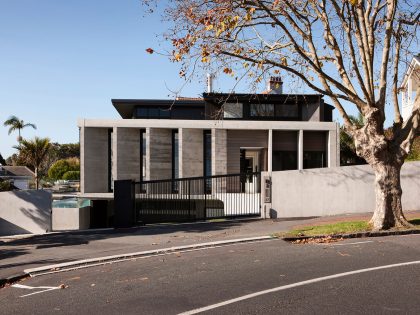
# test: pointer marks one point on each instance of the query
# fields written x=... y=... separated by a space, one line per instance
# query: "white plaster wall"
x=23 y=212
x=337 y=190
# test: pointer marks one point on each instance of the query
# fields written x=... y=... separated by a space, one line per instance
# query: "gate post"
x=124 y=200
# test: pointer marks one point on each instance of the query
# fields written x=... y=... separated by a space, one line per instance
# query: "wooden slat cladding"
x=285 y=140
x=314 y=141
x=245 y=139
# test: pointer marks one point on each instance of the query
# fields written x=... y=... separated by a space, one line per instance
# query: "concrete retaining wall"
x=23 y=212
x=338 y=190
x=70 y=219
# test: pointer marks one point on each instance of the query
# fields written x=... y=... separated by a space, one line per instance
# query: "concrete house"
x=214 y=135
x=409 y=86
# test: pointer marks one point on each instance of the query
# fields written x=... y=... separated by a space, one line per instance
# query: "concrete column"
x=158 y=153
x=333 y=156
x=93 y=160
x=190 y=152
x=126 y=153
x=219 y=151
x=300 y=150
x=270 y=151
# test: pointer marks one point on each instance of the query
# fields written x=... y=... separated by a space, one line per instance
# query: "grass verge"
x=345 y=227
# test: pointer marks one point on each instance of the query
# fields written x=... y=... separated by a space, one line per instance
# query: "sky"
x=65 y=60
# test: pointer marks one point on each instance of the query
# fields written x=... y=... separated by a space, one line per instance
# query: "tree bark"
x=388 y=210
x=36 y=179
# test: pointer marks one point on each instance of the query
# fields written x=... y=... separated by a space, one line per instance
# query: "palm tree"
x=16 y=124
x=34 y=153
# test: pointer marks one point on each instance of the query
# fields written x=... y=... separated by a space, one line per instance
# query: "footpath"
x=20 y=253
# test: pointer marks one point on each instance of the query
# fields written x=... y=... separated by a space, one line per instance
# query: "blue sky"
x=64 y=60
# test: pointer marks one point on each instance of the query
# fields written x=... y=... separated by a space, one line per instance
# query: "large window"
x=207 y=157
x=284 y=160
x=233 y=110
x=110 y=161
x=261 y=110
x=175 y=159
x=152 y=112
x=142 y=154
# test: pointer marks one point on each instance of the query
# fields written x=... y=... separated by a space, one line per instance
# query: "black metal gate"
x=198 y=198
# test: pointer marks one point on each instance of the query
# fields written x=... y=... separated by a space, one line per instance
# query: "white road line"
x=294 y=285
x=45 y=289
x=353 y=243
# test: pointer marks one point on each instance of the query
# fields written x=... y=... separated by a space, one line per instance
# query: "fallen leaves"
x=312 y=240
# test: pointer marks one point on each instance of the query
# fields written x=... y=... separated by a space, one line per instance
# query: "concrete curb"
x=33 y=272
x=13 y=279
x=352 y=235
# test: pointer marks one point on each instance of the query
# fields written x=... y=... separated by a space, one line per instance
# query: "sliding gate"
x=198 y=198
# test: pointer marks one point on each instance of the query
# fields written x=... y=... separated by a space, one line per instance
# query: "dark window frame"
x=207 y=134
x=175 y=168
x=110 y=133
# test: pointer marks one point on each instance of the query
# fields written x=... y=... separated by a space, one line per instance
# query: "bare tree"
x=353 y=51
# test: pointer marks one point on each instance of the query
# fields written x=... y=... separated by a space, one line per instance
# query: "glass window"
x=261 y=110
x=207 y=158
x=233 y=110
x=142 y=154
x=142 y=112
x=314 y=159
x=286 y=110
x=153 y=112
x=175 y=159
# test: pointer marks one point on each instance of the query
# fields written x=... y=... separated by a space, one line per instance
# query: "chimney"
x=209 y=83
x=275 y=85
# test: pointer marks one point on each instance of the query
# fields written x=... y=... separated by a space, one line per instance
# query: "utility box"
x=267 y=189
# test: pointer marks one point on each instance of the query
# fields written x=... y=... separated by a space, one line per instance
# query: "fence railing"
x=198 y=198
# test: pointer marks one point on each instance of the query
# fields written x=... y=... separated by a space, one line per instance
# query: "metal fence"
x=198 y=198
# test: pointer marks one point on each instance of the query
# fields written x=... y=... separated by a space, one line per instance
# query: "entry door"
x=252 y=165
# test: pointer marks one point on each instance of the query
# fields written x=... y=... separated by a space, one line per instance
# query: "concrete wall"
x=190 y=152
x=237 y=139
x=338 y=190
x=158 y=153
x=219 y=151
x=23 y=212
x=64 y=219
x=126 y=154
x=93 y=160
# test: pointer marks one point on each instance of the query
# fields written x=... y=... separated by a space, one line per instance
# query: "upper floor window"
x=261 y=110
x=233 y=110
x=152 y=112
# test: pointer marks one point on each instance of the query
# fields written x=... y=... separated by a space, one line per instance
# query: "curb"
x=352 y=235
x=13 y=279
x=85 y=263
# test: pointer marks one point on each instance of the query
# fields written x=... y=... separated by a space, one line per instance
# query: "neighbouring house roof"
x=16 y=171
x=415 y=63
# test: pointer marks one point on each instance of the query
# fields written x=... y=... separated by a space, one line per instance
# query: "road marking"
x=45 y=289
x=344 y=244
x=294 y=285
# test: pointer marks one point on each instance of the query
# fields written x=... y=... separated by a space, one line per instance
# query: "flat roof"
x=125 y=107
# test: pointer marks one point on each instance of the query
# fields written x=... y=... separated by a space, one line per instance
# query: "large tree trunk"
x=388 y=210
x=36 y=179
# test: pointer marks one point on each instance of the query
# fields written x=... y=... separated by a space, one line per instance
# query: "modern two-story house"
x=217 y=134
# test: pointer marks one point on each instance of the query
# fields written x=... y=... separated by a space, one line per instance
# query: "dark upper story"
x=271 y=105
x=229 y=107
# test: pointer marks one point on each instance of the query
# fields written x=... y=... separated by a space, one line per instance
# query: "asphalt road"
x=184 y=282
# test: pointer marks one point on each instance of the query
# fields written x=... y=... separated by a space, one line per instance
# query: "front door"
x=250 y=165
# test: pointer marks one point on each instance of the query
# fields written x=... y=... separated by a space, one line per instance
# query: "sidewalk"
x=20 y=254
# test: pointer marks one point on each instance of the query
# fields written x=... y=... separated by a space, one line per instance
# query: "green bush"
x=5 y=185
x=61 y=167
x=71 y=175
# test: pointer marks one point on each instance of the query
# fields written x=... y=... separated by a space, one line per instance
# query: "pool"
x=71 y=203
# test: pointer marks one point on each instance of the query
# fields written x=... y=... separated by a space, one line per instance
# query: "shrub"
x=72 y=175
x=61 y=167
